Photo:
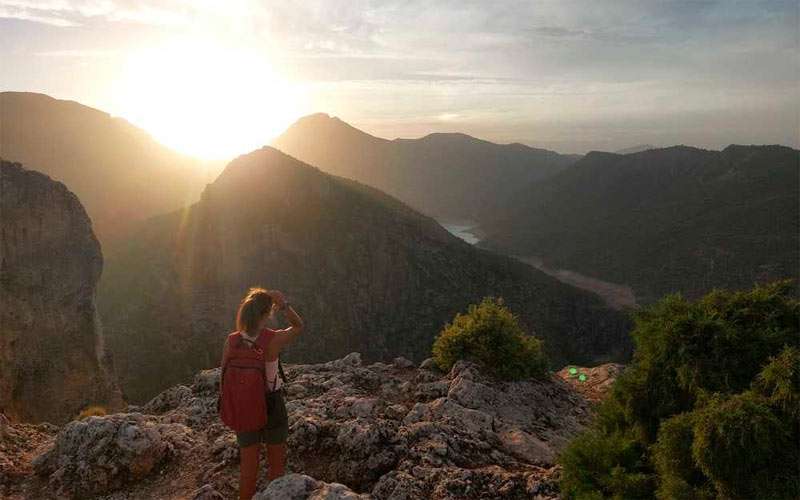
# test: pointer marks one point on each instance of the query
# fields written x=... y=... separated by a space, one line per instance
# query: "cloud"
x=11 y=12
x=562 y=64
x=89 y=53
x=70 y=13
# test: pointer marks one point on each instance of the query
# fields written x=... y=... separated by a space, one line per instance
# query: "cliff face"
x=367 y=273
x=53 y=360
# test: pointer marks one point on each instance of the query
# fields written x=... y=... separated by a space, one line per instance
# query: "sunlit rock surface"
x=381 y=430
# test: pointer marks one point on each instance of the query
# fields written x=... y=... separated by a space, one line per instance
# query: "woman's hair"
x=254 y=305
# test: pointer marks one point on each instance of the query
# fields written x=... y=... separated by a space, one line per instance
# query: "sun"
x=207 y=100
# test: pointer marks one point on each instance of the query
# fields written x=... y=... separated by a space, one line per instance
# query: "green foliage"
x=717 y=344
x=746 y=449
x=611 y=464
x=711 y=397
x=679 y=477
x=490 y=335
x=780 y=381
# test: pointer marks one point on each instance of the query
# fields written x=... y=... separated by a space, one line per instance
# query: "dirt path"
x=615 y=295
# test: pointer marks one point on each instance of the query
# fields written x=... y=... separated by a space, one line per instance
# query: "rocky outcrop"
x=593 y=383
x=302 y=487
x=382 y=431
x=53 y=360
x=100 y=454
x=368 y=274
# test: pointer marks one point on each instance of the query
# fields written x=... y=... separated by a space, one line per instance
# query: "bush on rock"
x=490 y=335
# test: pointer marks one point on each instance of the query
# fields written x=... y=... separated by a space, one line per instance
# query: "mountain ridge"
x=367 y=272
x=705 y=218
x=107 y=161
x=443 y=174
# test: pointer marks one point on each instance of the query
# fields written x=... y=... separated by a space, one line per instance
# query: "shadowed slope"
x=664 y=220
x=118 y=171
x=367 y=272
x=444 y=175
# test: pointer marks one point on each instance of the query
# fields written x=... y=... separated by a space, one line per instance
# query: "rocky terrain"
x=53 y=358
x=383 y=431
x=368 y=274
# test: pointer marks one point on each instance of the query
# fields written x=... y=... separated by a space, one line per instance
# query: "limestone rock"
x=53 y=356
x=302 y=487
x=428 y=364
x=594 y=383
x=353 y=433
x=101 y=454
x=207 y=492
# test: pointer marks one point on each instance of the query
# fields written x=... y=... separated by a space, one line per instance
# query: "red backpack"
x=242 y=402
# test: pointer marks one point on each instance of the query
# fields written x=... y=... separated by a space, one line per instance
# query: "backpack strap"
x=253 y=344
x=280 y=370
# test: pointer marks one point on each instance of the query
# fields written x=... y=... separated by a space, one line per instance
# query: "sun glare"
x=207 y=100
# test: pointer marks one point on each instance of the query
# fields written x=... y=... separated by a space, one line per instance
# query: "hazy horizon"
x=555 y=75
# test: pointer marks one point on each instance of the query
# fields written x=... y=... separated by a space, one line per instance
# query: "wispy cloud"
x=35 y=16
x=70 y=13
x=527 y=68
x=89 y=53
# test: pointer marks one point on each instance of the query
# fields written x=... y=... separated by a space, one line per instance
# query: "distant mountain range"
x=118 y=171
x=635 y=149
x=442 y=175
x=677 y=219
x=367 y=272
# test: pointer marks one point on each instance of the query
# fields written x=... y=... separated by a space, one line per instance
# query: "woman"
x=252 y=317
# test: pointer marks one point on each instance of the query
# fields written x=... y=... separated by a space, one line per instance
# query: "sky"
x=219 y=78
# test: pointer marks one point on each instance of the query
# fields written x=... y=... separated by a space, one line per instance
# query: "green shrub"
x=746 y=449
x=490 y=335
x=780 y=382
x=678 y=476
x=600 y=465
x=711 y=396
x=717 y=344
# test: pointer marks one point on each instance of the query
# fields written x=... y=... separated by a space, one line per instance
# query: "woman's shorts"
x=277 y=429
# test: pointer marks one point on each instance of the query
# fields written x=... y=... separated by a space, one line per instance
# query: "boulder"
x=101 y=454
x=302 y=487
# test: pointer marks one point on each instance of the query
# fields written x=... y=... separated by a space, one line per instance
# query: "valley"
x=379 y=250
x=615 y=296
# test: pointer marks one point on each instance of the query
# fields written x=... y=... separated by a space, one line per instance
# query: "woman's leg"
x=276 y=460
x=248 y=470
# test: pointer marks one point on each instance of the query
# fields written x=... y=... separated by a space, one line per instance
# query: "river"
x=615 y=295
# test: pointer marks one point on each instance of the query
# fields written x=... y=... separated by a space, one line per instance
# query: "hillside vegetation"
x=669 y=220
x=367 y=272
x=442 y=175
x=708 y=408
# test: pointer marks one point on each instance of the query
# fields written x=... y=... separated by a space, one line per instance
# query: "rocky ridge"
x=383 y=431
